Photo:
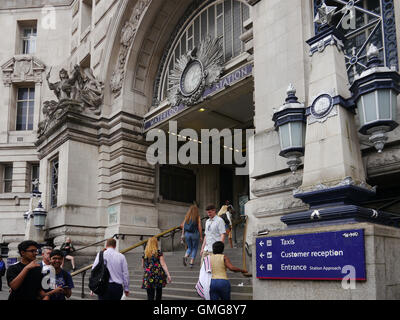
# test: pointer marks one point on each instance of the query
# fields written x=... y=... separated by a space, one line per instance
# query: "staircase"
x=183 y=279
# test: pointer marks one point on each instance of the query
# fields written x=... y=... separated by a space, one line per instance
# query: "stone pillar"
x=20 y=176
x=6 y=101
x=280 y=57
x=332 y=146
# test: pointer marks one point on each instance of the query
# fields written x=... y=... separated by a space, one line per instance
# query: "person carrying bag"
x=99 y=277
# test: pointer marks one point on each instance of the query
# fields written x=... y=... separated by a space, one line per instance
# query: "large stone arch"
x=154 y=23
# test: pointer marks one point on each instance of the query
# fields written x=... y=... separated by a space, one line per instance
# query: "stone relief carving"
x=208 y=58
x=383 y=162
x=276 y=184
x=22 y=68
x=276 y=206
x=128 y=33
x=79 y=92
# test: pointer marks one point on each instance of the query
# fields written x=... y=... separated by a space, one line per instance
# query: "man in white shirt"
x=119 y=275
x=214 y=231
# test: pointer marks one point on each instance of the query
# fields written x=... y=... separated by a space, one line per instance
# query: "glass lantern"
x=290 y=122
x=39 y=216
x=375 y=94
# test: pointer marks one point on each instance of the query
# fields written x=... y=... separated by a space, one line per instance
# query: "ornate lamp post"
x=290 y=123
x=375 y=93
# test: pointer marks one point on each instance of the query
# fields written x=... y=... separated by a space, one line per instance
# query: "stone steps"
x=184 y=279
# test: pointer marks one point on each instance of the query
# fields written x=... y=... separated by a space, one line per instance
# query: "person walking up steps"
x=220 y=287
x=193 y=233
x=156 y=272
x=117 y=266
x=214 y=231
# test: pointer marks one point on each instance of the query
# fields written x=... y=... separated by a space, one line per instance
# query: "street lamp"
x=290 y=122
x=375 y=93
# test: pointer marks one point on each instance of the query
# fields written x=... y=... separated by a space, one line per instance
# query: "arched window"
x=222 y=19
x=364 y=22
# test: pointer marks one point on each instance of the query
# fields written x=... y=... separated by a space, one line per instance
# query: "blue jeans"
x=220 y=289
x=192 y=240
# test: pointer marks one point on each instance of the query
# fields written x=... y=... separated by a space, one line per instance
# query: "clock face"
x=321 y=106
x=191 y=78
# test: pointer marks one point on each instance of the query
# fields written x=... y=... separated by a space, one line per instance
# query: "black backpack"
x=99 y=276
x=225 y=218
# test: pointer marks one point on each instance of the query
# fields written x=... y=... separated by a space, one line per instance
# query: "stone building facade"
x=95 y=177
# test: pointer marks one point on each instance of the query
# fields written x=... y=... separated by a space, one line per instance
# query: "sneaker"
x=185 y=261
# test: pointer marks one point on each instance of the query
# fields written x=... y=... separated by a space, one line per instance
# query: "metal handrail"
x=170 y=232
x=141 y=243
x=94 y=243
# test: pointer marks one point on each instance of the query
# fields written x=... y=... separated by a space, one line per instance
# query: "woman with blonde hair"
x=156 y=272
x=192 y=232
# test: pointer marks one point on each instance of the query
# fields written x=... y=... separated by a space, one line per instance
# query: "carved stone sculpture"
x=78 y=93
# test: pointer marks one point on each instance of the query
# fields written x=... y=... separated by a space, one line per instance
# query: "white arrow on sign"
x=261 y=243
x=262 y=255
x=262 y=267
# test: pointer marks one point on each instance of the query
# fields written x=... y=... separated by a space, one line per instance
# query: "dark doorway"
x=225 y=185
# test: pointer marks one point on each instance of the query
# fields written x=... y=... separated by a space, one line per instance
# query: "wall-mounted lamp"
x=290 y=122
x=375 y=93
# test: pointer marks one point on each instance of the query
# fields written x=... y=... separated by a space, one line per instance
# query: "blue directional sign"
x=315 y=256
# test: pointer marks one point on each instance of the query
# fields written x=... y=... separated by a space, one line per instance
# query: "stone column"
x=38 y=103
x=6 y=99
x=332 y=146
x=20 y=177
x=280 y=57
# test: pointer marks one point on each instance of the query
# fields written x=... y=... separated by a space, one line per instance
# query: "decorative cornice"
x=22 y=68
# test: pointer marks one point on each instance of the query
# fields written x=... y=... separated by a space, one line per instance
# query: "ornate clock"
x=191 y=78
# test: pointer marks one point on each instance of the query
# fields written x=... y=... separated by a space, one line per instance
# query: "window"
x=25 y=109
x=222 y=19
x=86 y=15
x=54 y=182
x=29 y=40
x=367 y=21
x=7 y=178
x=34 y=175
x=177 y=184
